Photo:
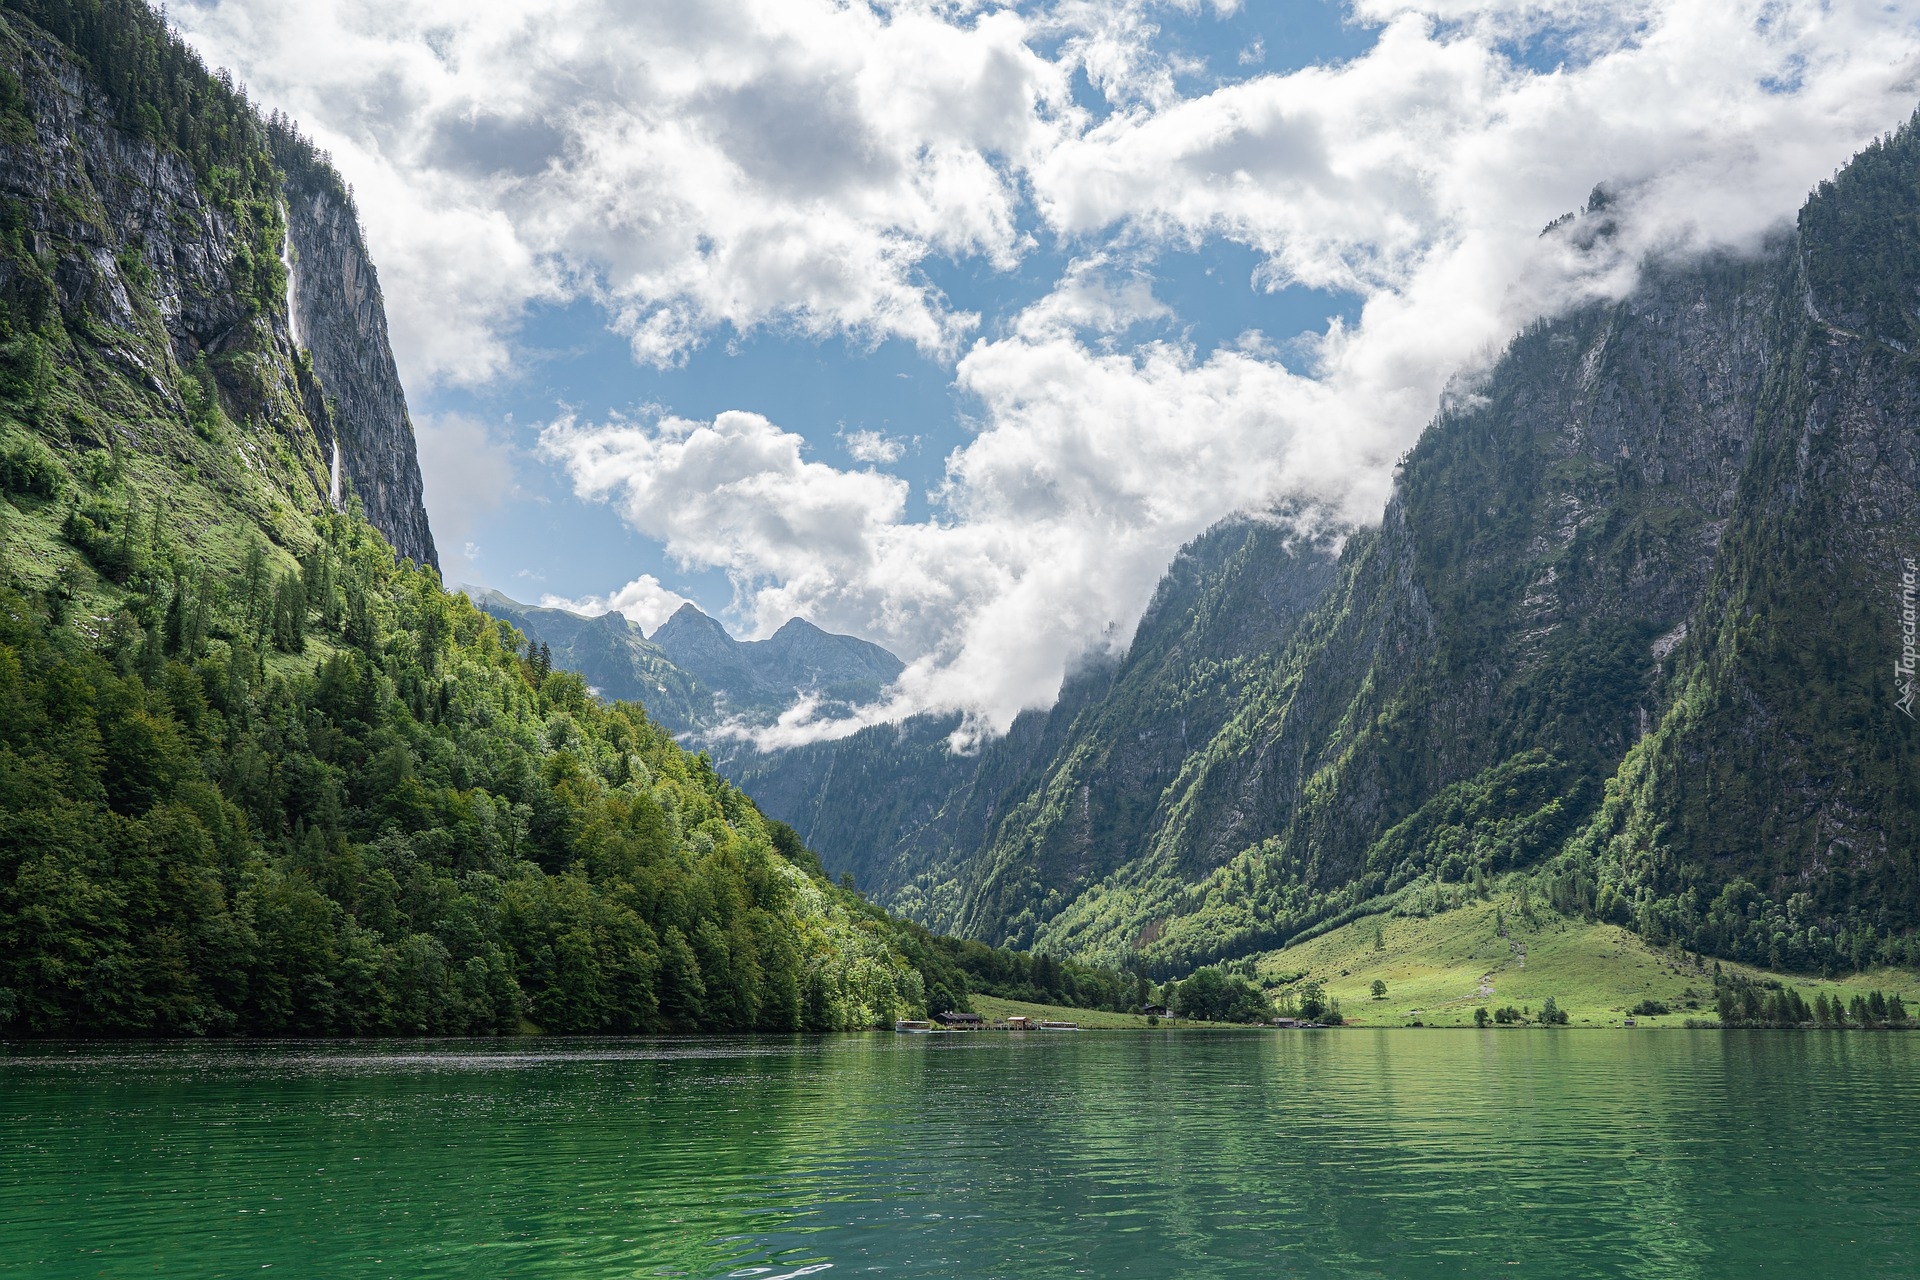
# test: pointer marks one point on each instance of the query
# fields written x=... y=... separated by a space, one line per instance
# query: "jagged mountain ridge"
x=752 y=675
x=693 y=676
x=1627 y=621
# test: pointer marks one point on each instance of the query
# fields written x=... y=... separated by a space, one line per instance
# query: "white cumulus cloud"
x=873 y=446
x=737 y=492
x=726 y=163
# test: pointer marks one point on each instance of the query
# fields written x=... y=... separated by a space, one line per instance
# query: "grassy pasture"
x=1439 y=968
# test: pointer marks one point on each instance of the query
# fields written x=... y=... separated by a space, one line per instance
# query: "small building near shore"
x=1018 y=1022
x=960 y=1021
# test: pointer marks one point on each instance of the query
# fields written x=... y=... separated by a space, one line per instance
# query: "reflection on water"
x=1357 y=1153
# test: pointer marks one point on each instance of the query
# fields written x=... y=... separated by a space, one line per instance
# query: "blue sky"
x=543 y=540
x=947 y=322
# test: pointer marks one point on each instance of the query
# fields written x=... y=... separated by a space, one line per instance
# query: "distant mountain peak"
x=797 y=660
x=689 y=619
x=692 y=674
x=693 y=613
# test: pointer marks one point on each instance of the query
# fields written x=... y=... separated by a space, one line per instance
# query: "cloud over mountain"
x=712 y=169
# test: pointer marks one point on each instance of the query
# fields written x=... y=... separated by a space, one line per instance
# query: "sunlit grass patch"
x=1438 y=969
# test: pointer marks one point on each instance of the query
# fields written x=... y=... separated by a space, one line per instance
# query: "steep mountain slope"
x=1205 y=641
x=1774 y=812
x=1630 y=620
x=149 y=212
x=1489 y=653
x=143 y=336
x=1079 y=781
x=335 y=314
x=258 y=773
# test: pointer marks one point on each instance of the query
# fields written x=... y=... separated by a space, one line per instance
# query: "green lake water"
x=1352 y=1153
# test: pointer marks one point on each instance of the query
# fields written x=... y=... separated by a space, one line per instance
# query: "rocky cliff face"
x=337 y=315
x=1772 y=812
x=144 y=276
x=1631 y=623
x=1486 y=657
x=120 y=257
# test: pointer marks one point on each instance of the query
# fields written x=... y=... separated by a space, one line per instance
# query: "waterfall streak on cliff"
x=293 y=313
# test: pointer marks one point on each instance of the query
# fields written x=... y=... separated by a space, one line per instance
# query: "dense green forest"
x=344 y=801
x=1038 y=977
x=1767 y=1002
x=341 y=800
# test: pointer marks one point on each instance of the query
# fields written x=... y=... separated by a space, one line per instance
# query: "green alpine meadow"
x=1014 y=639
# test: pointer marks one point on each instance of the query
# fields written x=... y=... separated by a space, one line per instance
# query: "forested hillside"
x=258 y=773
x=340 y=801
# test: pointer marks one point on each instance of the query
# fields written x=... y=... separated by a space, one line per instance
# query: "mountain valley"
x=1632 y=640
x=1630 y=624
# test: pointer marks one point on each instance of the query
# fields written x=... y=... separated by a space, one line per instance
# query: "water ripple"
x=1378 y=1154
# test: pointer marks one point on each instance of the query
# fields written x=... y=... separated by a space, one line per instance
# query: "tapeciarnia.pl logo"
x=1903 y=670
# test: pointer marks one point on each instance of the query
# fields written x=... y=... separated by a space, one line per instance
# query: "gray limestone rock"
x=338 y=315
x=135 y=254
